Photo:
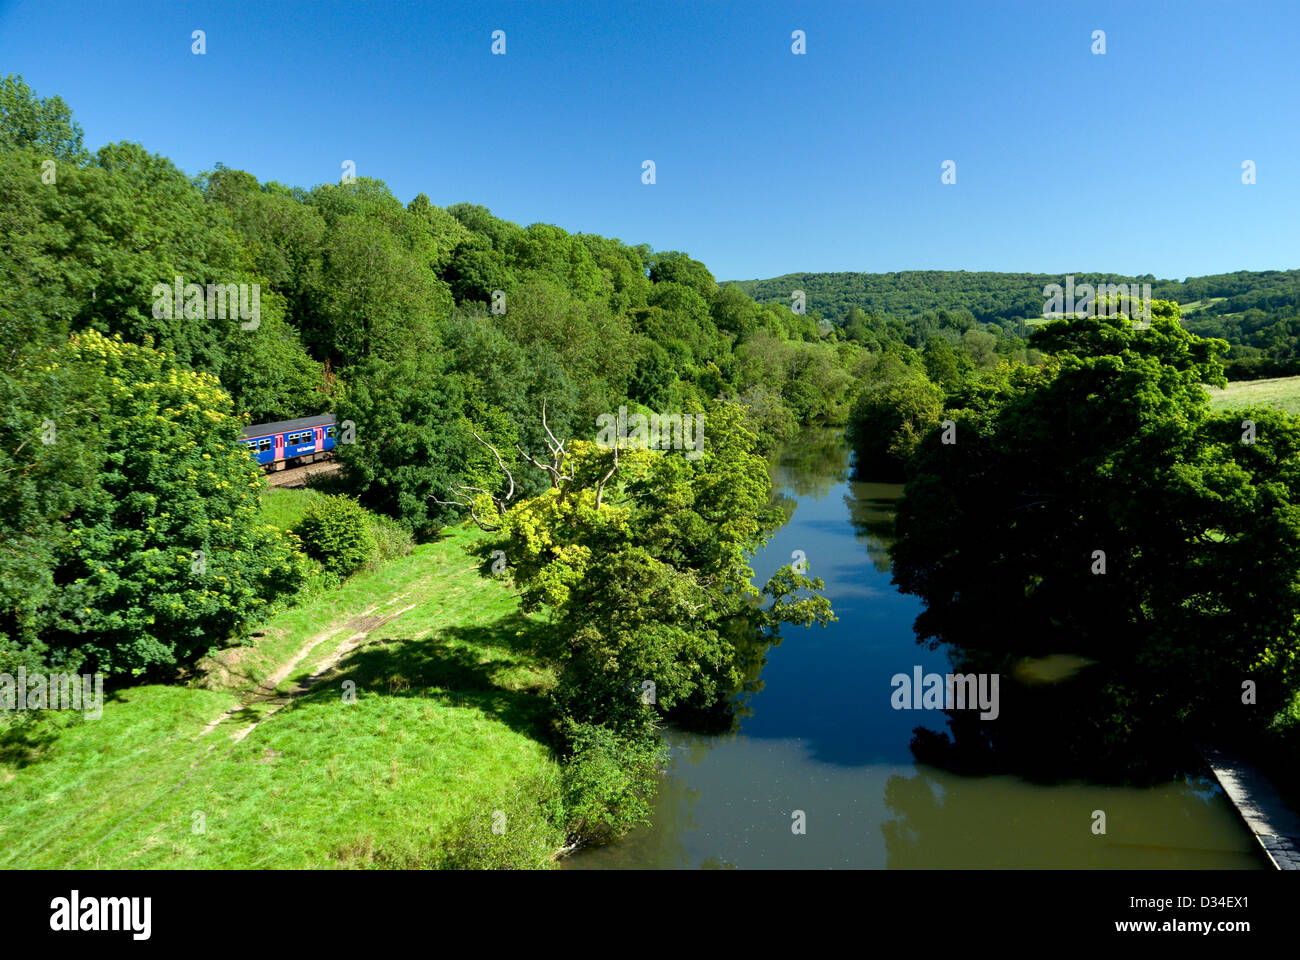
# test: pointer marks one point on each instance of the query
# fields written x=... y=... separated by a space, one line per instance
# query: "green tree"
x=164 y=556
x=44 y=125
x=412 y=444
x=735 y=313
x=945 y=366
x=1097 y=506
x=674 y=267
x=376 y=297
x=981 y=346
x=888 y=422
x=51 y=453
x=268 y=372
x=644 y=575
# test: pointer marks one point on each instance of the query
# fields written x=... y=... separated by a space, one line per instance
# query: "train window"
x=264 y=443
x=329 y=432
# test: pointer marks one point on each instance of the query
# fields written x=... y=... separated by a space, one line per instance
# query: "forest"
x=378 y=310
x=1256 y=312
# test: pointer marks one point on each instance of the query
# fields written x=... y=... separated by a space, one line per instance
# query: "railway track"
x=298 y=476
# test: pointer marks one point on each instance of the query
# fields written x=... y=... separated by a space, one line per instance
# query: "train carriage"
x=289 y=443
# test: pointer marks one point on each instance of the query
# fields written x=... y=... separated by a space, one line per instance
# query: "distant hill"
x=1258 y=312
x=1003 y=297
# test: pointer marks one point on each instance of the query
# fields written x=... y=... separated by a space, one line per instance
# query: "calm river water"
x=821 y=737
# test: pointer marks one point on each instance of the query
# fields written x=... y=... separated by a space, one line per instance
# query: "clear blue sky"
x=767 y=162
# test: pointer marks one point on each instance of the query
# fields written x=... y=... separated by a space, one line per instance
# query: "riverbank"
x=1274 y=824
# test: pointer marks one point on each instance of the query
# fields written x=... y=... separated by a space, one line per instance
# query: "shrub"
x=529 y=833
x=610 y=778
x=336 y=531
x=392 y=538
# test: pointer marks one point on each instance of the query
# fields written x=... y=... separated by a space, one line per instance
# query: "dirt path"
x=266 y=692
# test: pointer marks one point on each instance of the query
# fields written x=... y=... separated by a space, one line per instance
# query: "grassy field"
x=1196 y=306
x=1283 y=393
x=260 y=762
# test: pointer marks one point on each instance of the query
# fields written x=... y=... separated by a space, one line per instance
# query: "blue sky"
x=766 y=162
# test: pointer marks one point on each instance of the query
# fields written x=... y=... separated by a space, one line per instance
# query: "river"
x=820 y=744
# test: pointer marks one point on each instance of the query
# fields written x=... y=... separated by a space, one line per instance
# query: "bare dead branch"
x=531 y=459
x=502 y=464
x=468 y=505
x=557 y=459
x=555 y=469
x=557 y=446
x=600 y=487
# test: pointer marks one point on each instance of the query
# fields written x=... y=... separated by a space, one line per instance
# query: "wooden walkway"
x=1275 y=825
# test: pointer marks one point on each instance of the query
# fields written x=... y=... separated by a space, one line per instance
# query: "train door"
x=320 y=439
x=279 y=446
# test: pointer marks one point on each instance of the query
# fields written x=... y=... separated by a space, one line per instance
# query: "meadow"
x=260 y=760
x=1282 y=393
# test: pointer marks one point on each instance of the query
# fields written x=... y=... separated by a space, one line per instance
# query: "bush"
x=392 y=538
x=336 y=531
x=609 y=780
x=529 y=833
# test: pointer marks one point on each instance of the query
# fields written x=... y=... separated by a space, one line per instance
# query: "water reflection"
x=734 y=809
x=944 y=820
x=871 y=513
x=819 y=736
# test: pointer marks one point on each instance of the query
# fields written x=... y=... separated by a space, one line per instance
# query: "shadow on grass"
x=26 y=736
x=23 y=741
x=249 y=713
x=448 y=667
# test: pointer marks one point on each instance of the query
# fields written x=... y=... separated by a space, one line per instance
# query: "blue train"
x=290 y=443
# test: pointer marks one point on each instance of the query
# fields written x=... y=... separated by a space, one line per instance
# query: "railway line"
x=299 y=476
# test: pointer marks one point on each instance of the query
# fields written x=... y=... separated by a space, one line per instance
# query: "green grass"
x=1196 y=306
x=1282 y=393
x=449 y=725
x=285 y=506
